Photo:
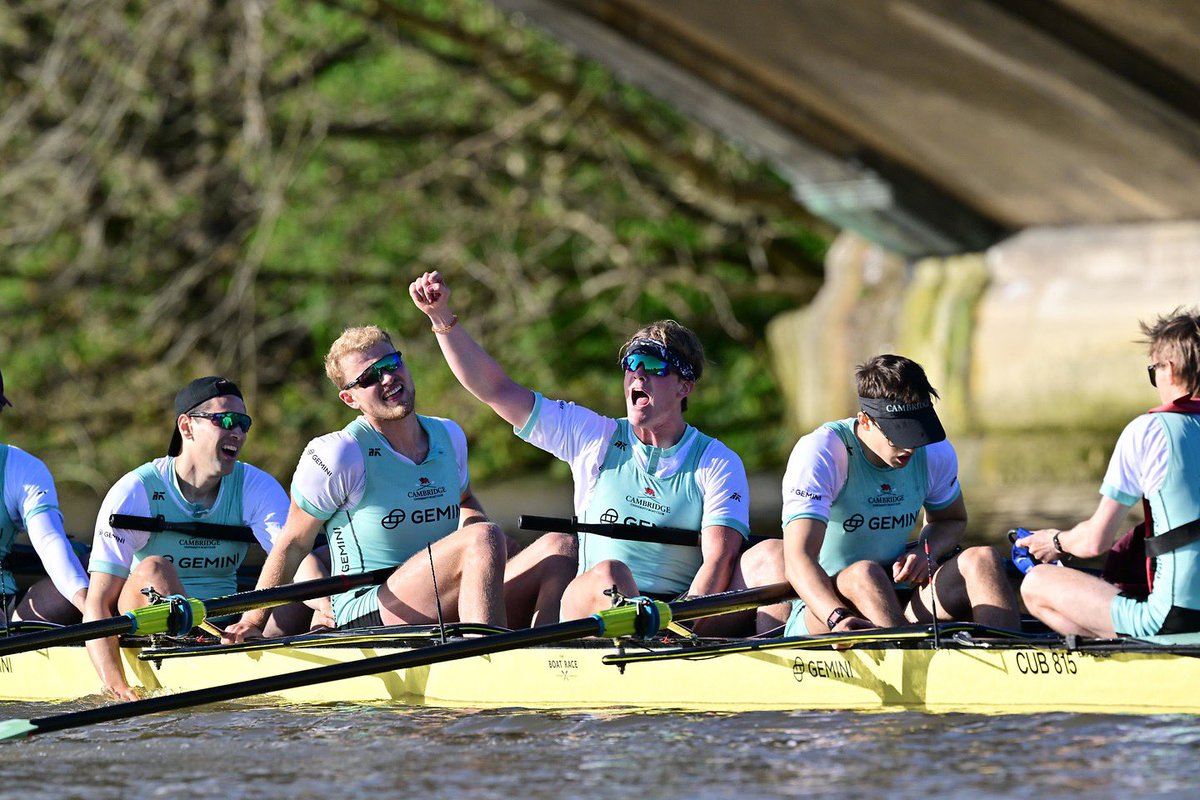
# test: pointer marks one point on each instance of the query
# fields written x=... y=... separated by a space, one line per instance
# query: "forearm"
x=712 y=577
x=482 y=376
x=943 y=537
x=814 y=586
x=105 y=657
x=279 y=569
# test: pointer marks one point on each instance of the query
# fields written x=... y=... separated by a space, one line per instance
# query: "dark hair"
x=893 y=377
x=1176 y=337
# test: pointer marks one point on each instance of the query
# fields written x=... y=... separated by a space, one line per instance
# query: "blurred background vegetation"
x=196 y=186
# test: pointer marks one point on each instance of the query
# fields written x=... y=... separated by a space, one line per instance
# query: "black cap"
x=4 y=401
x=907 y=425
x=198 y=391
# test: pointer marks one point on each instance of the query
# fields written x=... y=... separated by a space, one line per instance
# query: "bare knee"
x=1033 y=586
x=152 y=567
x=862 y=574
x=556 y=544
x=611 y=572
x=485 y=540
x=980 y=564
x=763 y=563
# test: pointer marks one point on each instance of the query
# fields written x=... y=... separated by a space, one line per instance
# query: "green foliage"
x=252 y=188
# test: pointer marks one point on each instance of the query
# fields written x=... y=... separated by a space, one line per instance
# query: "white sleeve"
x=331 y=475
x=265 y=505
x=816 y=472
x=31 y=488
x=113 y=548
x=569 y=432
x=941 y=462
x=1138 y=465
x=721 y=477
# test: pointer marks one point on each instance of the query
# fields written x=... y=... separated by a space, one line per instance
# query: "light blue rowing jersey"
x=206 y=567
x=876 y=510
x=626 y=493
x=1177 y=502
x=8 y=531
x=404 y=507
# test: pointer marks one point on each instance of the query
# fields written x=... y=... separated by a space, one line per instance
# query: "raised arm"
x=477 y=371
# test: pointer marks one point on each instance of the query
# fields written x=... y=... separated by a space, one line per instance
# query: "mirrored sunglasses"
x=374 y=373
x=226 y=420
x=650 y=364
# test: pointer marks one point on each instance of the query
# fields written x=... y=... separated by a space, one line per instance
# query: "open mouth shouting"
x=638 y=398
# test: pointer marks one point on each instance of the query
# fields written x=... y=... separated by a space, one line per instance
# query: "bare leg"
x=43 y=603
x=299 y=617
x=469 y=564
x=585 y=595
x=1070 y=601
x=970 y=586
x=761 y=565
x=154 y=571
x=536 y=577
x=868 y=589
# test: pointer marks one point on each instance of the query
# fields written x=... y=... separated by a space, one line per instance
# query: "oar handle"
x=613 y=530
x=100 y=629
x=207 y=530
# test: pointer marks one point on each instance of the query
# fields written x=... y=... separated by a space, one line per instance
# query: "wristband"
x=836 y=616
x=1059 y=548
x=445 y=328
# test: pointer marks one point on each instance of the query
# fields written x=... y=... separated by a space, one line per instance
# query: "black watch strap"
x=836 y=616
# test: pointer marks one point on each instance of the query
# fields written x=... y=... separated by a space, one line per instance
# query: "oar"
x=183 y=614
x=643 y=618
x=204 y=530
x=613 y=530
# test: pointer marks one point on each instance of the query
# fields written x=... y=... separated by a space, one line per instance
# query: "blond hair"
x=678 y=337
x=352 y=340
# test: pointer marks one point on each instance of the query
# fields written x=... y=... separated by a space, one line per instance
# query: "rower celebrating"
x=650 y=468
x=1157 y=457
x=200 y=480
x=30 y=503
x=853 y=492
x=383 y=489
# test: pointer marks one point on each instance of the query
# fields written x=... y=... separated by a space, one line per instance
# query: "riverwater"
x=263 y=750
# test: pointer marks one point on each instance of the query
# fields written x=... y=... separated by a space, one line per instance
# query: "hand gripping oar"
x=181 y=614
x=643 y=617
x=614 y=530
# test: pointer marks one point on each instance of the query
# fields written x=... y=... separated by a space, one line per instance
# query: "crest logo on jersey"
x=649 y=492
x=887 y=496
x=426 y=490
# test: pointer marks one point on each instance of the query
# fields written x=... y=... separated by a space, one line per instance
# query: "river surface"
x=349 y=751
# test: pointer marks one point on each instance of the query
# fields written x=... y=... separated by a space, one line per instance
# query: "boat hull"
x=871 y=677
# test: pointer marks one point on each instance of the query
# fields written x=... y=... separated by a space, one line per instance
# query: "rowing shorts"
x=355 y=607
x=1133 y=617
x=796 y=624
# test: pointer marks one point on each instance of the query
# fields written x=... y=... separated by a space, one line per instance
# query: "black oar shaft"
x=219 y=606
x=464 y=648
x=206 y=530
x=613 y=530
